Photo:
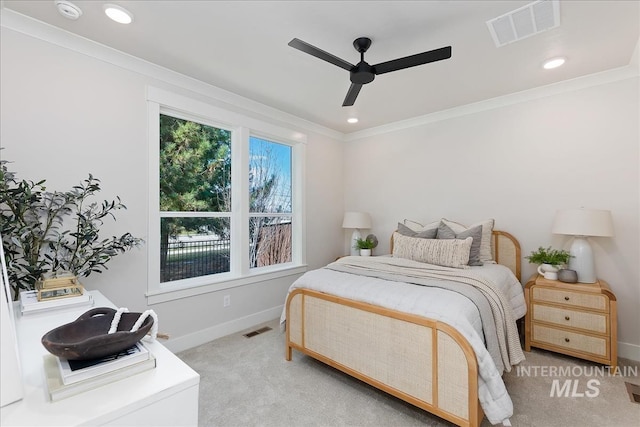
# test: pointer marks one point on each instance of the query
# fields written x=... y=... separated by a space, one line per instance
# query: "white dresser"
x=164 y=396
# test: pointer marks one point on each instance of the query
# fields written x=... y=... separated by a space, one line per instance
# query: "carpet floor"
x=247 y=382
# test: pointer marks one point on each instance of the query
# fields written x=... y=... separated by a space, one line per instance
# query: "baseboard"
x=629 y=351
x=195 y=339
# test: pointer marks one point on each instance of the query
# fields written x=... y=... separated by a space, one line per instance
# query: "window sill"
x=173 y=292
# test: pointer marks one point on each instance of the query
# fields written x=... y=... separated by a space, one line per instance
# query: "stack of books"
x=67 y=378
x=29 y=302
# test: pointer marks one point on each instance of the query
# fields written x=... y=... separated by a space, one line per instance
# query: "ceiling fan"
x=363 y=73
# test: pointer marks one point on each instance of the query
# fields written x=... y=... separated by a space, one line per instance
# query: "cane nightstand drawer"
x=592 y=322
x=569 y=298
x=577 y=319
x=571 y=340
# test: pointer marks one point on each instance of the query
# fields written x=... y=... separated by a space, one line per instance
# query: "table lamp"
x=356 y=220
x=583 y=223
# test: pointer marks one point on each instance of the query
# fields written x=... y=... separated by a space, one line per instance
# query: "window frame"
x=160 y=101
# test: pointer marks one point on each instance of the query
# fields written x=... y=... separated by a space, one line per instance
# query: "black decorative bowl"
x=87 y=337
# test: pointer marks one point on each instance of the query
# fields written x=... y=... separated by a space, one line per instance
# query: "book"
x=29 y=302
x=72 y=371
x=57 y=279
x=57 y=390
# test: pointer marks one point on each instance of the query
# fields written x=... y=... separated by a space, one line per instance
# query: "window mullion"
x=240 y=201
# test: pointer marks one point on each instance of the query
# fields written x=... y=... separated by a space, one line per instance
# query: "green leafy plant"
x=46 y=231
x=365 y=244
x=549 y=256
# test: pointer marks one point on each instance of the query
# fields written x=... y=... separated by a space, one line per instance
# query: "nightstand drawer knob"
x=566 y=298
x=566 y=317
x=566 y=340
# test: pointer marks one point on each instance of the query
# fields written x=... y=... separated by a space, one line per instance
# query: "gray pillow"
x=445 y=232
x=424 y=234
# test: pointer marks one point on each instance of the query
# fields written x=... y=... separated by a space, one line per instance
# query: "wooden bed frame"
x=422 y=361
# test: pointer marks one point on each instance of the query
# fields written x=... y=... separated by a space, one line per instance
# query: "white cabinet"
x=164 y=396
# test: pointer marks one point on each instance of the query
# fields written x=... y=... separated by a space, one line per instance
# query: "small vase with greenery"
x=555 y=257
x=51 y=232
x=365 y=246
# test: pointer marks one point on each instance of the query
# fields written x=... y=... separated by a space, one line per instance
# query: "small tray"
x=87 y=337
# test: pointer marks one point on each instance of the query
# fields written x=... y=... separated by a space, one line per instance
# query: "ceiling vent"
x=529 y=20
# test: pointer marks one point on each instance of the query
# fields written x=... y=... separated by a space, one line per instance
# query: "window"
x=195 y=199
x=225 y=198
x=269 y=203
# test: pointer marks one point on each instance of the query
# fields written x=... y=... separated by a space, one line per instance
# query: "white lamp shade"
x=583 y=222
x=356 y=220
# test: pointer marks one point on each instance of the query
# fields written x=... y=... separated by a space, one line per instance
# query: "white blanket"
x=435 y=303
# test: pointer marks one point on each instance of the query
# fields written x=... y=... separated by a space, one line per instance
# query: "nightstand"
x=577 y=319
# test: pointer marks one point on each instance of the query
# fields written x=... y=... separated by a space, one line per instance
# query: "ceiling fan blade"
x=413 y=60
x=321 y=54
x=352 y=94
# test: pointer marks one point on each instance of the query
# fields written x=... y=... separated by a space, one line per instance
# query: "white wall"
x=65 y=114
x=518 y=163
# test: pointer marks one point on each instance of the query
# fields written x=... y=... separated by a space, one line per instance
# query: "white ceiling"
x=241 y=46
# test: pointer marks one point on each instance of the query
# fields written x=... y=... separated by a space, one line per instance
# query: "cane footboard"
x=424 y=362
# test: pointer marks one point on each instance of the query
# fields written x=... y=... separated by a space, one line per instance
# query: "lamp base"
x=354 y=238
x=582 y=260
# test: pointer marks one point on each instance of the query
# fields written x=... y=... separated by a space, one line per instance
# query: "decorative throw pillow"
x=445 y=232
x=487 y=229
x=447 y=253
x=416 y=226
x=424 y=234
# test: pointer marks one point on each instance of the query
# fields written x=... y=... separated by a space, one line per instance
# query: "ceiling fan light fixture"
x=552 y=63
x=352 y=120
x=118 y=13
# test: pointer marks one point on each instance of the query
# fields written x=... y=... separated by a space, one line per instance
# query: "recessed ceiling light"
x=118 y=13
x=68 y=9
x=553 y=63
x=352 y=120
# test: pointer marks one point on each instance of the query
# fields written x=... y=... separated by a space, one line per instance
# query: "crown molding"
x=596 y=79
x=31 y=27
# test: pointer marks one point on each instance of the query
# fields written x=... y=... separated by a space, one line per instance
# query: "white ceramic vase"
x=365 y=252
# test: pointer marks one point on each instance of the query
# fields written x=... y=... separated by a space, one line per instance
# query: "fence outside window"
x=193 y=258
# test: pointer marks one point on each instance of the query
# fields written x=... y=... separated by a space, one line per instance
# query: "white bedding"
x=438 y=304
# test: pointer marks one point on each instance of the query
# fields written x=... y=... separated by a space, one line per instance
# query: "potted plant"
x=549 y=260
x=45 y=233
x=365 y=246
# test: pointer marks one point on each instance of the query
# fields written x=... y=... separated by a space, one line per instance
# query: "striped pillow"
x=447 y=253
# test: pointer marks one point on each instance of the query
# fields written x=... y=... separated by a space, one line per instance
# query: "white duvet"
x=438 y=304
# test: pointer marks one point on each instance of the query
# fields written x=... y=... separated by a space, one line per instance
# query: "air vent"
x=529 y=20
x=634 y=392
x=257 y=332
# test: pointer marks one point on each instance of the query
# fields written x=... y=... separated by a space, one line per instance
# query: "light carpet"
x=248 y=382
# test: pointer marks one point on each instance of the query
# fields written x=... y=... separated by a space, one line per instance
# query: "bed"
x=430 y=361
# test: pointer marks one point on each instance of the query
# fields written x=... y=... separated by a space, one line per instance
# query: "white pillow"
x=447 y=253
x=487 y=229
x=418 y=227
